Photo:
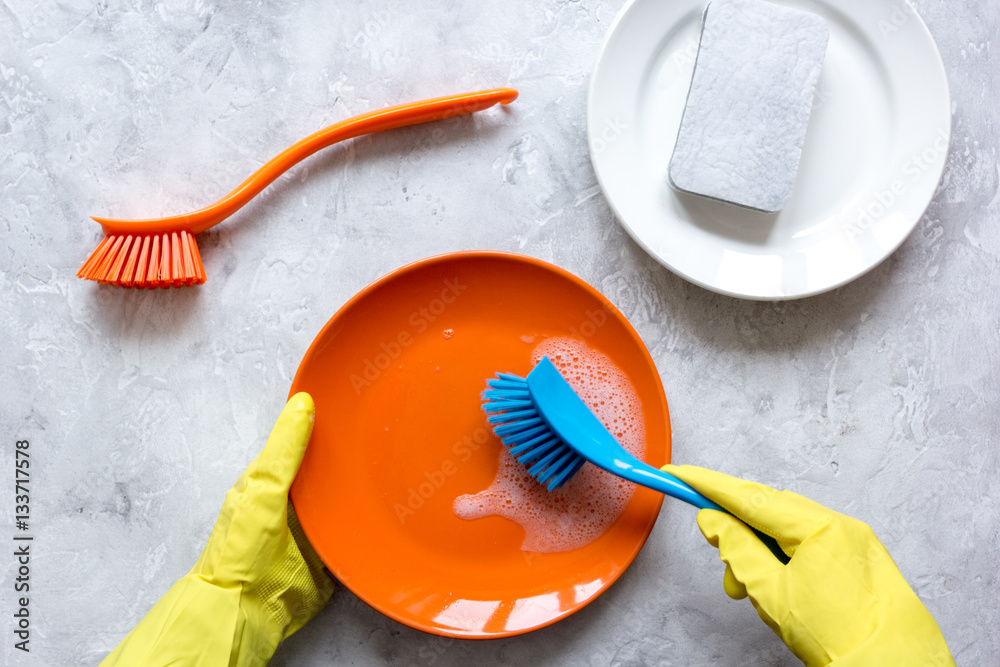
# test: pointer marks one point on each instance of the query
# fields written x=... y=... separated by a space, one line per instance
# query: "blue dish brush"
x=551 y=430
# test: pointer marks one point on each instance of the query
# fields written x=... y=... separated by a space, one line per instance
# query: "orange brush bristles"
x=145 y=260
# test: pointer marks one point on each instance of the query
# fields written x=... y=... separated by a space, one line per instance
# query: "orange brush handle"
x=374 y=121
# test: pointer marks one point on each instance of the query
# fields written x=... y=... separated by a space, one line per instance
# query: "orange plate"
x=399 y=435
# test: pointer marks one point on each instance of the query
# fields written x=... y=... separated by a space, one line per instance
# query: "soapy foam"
x=580 y=511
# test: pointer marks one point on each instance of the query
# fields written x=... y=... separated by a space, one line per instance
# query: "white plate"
x=873 y=157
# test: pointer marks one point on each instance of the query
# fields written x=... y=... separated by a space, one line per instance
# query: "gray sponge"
x=748 y=108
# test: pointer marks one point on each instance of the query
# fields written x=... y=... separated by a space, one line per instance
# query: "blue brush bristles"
x=519 y=425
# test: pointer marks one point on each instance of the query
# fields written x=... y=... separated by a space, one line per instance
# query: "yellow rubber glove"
x=258 y=579
x=840 y=601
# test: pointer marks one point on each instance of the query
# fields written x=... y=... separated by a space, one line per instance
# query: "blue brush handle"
x=648 y=476
x=570 y=418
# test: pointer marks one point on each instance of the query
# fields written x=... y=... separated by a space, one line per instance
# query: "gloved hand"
x=258 y=579
x=840 y=601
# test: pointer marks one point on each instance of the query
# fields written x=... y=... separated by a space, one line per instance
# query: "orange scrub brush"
x=162 y=252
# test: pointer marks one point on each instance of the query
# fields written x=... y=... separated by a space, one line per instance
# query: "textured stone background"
x=879 y=399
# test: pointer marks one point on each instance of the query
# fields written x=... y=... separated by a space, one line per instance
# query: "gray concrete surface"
x=879 y=399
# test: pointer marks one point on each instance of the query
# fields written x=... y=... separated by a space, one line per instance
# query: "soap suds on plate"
x=578 y=513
